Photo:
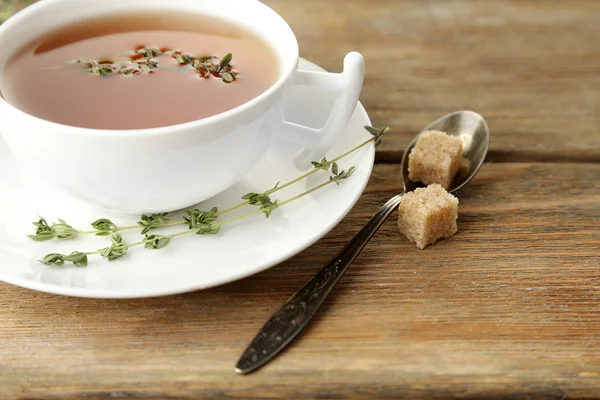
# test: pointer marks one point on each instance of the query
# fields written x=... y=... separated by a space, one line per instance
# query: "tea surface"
x=138 y=71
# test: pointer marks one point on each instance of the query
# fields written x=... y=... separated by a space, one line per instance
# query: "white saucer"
x=191 y=262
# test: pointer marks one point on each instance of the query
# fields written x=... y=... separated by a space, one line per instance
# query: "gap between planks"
x=504 y=156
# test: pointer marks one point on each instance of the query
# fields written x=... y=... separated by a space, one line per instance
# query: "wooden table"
x=509 y=307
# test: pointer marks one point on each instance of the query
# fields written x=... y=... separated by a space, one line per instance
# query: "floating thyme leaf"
x=204 y=73
x=227 y=77
x=149 y=53
x=94 y=69
x=100 y=69
x=128 y=71
x=106 y=70
x=117 y=248
x=225 y=61
x=183 y=59
x=156 y=242
x=153 y=221
x=146 y=68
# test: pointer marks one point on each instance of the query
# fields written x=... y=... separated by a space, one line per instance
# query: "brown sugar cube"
x=435 y=158
x=427 y=215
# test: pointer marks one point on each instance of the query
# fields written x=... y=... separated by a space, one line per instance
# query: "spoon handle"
x=296 y=313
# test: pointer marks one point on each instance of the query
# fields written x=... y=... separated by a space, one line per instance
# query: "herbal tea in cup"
x=145 y=106
x=139 y=70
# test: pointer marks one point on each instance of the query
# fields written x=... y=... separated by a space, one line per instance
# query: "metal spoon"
x=295 y=314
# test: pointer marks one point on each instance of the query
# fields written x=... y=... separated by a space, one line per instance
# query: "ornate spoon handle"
x=295 y=314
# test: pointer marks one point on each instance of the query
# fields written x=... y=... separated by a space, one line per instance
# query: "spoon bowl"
x=472 y=129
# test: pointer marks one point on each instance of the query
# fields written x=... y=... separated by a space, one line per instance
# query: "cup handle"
x=347 y=86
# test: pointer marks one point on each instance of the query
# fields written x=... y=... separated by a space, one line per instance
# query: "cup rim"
x=22 y=16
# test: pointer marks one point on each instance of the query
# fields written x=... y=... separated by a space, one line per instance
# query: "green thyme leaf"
x=268 y=208
x=323 y=164
x=205 y=222
x=227 y=77
x=149 y=222
x=106 y=70
x=378 y=133
x=211 y=229
x=156 y=242
x=105 y=226
x=53 y=259
x=342 y=175
x=257 y=199
x=204 y=72
x=77 y=258
x=128 y=71
x=43 y=232
x=116 y=250
x=149 y=53
x=183 y=59
x=95 y=70
x=63 y=231
x=225 y=61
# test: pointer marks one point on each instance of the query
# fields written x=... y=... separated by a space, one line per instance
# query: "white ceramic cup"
x=169 y=168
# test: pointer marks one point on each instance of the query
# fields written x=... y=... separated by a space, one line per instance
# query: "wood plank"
x=531 y=68
x=507 y=307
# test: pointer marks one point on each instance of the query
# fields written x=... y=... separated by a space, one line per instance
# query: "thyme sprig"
x=200 y=223
x=105 y=227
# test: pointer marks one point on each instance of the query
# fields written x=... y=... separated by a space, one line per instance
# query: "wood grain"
x=507 y=307
x=531 y=68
